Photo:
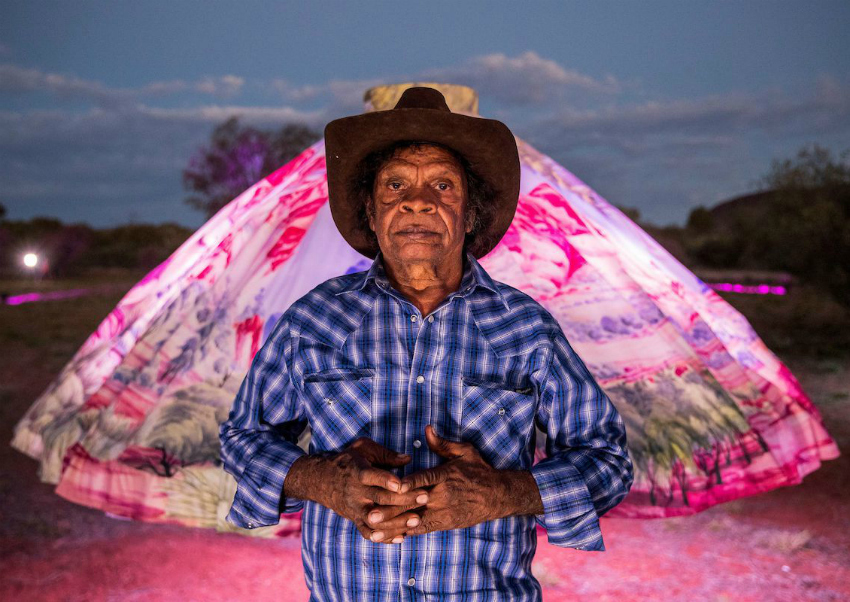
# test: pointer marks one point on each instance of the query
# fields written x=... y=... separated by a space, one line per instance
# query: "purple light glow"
x=32 y=297
x=760 y=289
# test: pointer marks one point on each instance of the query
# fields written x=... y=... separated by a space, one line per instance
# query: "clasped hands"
x=461 y=492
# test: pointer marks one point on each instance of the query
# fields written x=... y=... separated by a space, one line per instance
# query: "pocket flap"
x=339 y=374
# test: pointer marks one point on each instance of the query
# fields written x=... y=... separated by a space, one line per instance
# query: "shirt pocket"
x=339 y=404
x=499 y=423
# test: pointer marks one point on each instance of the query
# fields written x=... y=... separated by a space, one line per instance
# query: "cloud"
x=149 y=138
x=338 y=97
x=522 y=80
x=659 y=154
x=215 y=114
x=225 y=86
x=712 y=121
x=18 y=80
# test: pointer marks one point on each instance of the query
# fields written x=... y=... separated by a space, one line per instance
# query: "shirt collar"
x=474 y=276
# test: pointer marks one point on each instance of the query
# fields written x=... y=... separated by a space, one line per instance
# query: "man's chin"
x=417 y=251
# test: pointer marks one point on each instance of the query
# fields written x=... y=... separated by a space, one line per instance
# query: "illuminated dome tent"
x=130 y=425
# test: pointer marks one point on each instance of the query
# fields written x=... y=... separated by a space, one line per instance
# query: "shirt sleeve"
x=258 y=440
x=587 y=470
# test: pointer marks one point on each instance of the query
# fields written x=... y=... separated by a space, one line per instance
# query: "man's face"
x=419 y=204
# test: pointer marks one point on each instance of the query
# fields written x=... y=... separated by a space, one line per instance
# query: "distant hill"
x=743 y=209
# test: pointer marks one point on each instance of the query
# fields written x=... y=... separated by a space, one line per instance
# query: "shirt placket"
x=419 y=397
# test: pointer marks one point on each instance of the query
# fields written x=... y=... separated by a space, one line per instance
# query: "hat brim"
x=488 y=145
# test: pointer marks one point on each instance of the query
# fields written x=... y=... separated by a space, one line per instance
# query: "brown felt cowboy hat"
x=422 y=115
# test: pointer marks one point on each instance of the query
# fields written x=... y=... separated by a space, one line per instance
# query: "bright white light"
x=30 y=260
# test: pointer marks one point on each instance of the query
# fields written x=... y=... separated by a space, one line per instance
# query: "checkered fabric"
x=354 y=358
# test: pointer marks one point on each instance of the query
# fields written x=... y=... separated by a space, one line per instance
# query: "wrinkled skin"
x=352 y=484
x=463 y=491
x=418 y=214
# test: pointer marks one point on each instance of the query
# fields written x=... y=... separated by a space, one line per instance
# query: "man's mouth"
x=416 y=232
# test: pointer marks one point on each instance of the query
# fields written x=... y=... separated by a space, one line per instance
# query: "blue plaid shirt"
x=354 y=358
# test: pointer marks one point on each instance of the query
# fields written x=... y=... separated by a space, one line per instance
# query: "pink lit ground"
x=788 y=544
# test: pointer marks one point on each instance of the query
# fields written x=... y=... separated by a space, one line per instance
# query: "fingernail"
x=412 y=522
x=398 y=539
x=393 y=485
x=405 y=487
x=405 y=456
x=376 y=517
x=377 y=536
x=422 y=498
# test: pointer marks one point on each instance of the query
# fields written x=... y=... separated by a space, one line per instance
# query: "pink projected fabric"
x=130 y=425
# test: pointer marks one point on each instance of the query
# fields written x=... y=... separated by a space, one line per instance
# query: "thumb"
x=442 y=447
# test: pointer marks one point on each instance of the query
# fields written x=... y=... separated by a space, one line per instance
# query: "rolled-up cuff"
x=569 y=515
x=260 y=499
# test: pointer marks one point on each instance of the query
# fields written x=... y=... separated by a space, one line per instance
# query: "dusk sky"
x=661 y=106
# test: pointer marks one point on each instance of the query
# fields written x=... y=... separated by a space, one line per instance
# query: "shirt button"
x=431 y=319
x=250 y=525
x=420 y=379
x=417 y=443
x=411 y=581
x=501 y=411
x=412 y=318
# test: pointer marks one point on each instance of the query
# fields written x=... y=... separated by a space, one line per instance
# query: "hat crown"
x=460 y=99
x=420 y=97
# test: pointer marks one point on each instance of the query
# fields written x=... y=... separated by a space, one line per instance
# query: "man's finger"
x=430 y=521
x=444 y=447
x=425 y=478
x=376 y=453
x=382 y=497
x=363 y=528
x=398 y=524
x=380 y=514
x=375 y=477
x=394 y=535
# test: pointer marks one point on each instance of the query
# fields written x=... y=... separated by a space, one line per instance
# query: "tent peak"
x=461 y=99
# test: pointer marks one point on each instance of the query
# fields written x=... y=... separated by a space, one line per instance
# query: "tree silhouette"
x=236 y=157
x=799 y=223
x=808 y=230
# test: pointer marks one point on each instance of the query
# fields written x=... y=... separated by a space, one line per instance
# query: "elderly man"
x=421 y=380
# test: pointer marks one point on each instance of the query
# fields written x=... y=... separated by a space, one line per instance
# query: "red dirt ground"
x=788 y=544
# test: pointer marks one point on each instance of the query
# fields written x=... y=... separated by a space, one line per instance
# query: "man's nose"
x=420 y=199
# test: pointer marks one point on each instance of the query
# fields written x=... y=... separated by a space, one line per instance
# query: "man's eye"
x=395 y=185
x=443 y=186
